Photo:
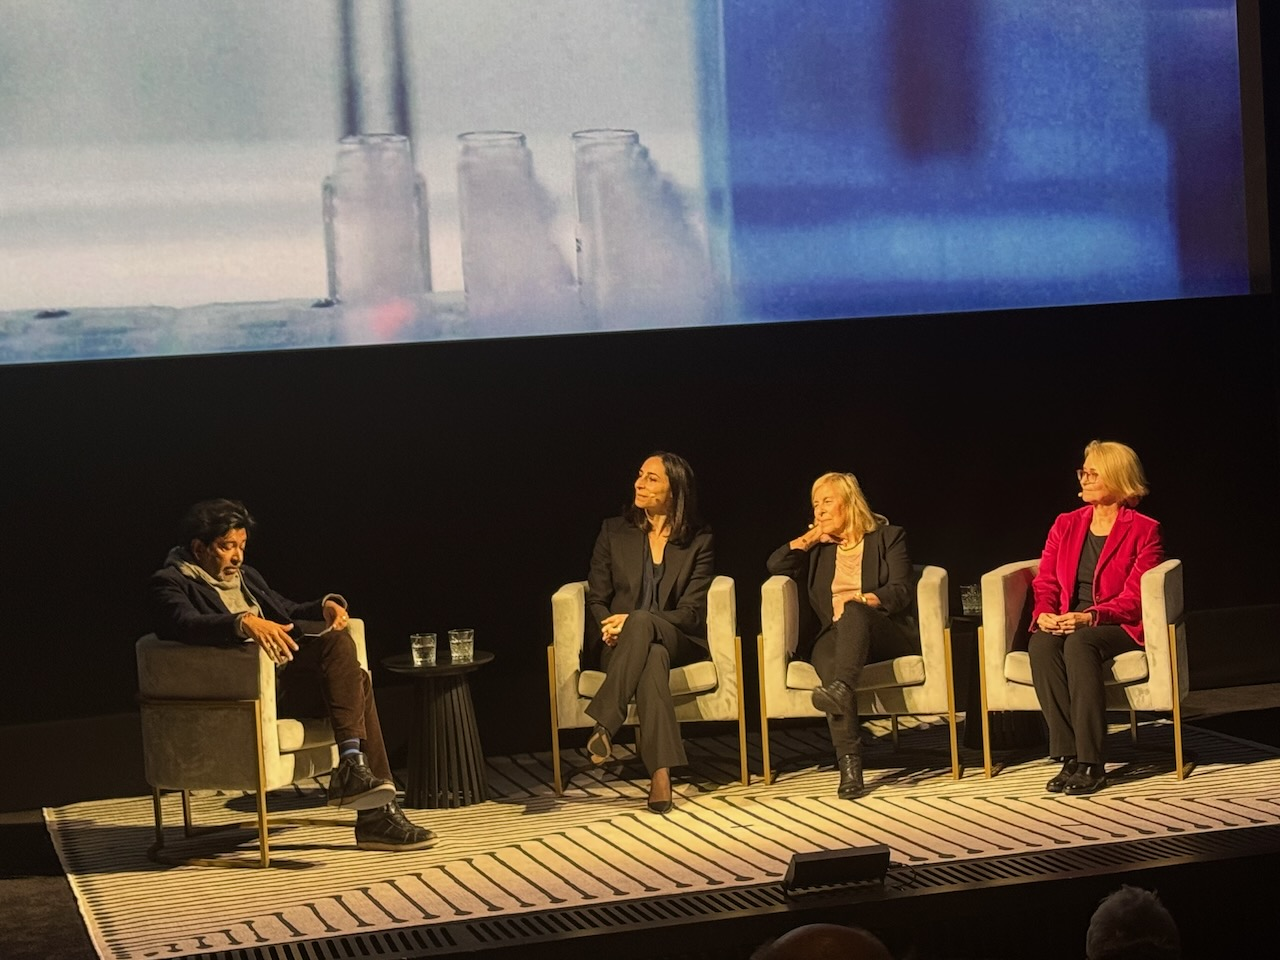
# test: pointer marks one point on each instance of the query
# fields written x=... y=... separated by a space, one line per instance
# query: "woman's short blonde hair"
x=1119 y=469
x=861 y=519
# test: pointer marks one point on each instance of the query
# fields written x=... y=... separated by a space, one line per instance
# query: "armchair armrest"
x=780 y=635
x=933 y=607
x=1162 y=607
x=722 y=636
x=568 y=623
x=1004 y=594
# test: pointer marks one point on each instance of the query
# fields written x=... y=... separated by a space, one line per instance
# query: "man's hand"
x=272 y=637
x=610 y=627
x=335 y=615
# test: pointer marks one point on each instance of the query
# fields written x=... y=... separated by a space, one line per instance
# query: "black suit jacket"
x=190 y=611
x=886 y=572
x=613 y=583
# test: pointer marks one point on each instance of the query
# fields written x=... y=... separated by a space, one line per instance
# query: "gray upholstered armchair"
x=209 y=723
x=1154 y=677
x=905 y=686
x=706 y=690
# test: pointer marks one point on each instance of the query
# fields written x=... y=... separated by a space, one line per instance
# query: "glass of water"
x=423 y=648
x=462 y=645
x=971 y=599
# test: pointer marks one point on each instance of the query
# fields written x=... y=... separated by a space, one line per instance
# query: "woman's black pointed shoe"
x=600 y=745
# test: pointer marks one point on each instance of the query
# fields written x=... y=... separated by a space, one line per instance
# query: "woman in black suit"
x=647 y=592
x=860 y=583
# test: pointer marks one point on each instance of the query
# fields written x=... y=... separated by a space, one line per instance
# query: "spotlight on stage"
x=808 y=872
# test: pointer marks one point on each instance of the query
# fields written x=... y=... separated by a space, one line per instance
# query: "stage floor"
x=528 y=853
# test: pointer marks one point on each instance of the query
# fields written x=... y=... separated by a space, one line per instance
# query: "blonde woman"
x=1088 y=608
x=855 y=567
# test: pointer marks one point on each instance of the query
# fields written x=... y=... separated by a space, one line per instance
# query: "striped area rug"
x=528 y=849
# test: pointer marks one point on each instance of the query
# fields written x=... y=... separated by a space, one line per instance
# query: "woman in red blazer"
x=1088 y=608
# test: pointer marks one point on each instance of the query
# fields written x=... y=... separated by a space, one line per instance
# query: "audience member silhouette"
x=824 y=941
x=1132 y=924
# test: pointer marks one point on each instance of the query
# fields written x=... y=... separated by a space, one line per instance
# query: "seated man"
x=205 y=595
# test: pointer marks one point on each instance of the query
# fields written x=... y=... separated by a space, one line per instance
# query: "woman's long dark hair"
x=685 y=521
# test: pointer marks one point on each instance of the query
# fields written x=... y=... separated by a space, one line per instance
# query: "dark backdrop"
x=458 y=484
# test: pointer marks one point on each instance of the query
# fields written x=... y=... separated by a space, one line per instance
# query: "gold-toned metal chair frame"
x=262 y=822
x=744 y=770
x=193 y=684
x=1176 y=632
x=791 y=599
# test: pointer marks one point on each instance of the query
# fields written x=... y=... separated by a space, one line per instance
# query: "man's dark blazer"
x=886 y=572
x=613 y=584
x=190 y=611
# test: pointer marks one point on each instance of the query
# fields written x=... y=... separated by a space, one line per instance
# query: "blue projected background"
x=186 y=176
x=898 y=156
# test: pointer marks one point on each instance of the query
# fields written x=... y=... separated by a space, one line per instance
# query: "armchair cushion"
x=685 y=681
x=1129 y=667
x=899 y=672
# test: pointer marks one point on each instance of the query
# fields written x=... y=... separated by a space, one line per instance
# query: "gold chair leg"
x=956 y=771
x=893 y=729
x=555 y=721
x=1133 y=726
x=158 y=814
x=1183 y=768
x=264 y=854
x=742 y=714
x=982 y=692
x=187 y=828
x=764 y=712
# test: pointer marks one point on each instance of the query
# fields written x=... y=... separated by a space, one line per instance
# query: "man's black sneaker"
x=387 y=828
x=354 y=785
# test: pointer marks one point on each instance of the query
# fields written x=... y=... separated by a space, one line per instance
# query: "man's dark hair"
x=685 y=520
x=208 y=520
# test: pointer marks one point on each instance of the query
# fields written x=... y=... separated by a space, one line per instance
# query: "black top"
x=650 y=577
x=1090 y=551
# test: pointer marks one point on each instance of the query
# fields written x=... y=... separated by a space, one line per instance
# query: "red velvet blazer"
x=1133 y=547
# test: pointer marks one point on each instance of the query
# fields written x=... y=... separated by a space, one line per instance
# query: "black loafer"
x=1082 y=782
x=1057 y=784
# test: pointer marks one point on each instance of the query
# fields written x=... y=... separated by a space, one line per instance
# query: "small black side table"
x=446 y=763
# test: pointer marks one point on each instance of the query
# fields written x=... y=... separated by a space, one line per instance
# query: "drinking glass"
x=423 y=647
x=971 y=599
x=462 y=645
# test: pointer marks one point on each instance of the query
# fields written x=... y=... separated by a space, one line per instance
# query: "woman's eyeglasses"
x=1083 y=475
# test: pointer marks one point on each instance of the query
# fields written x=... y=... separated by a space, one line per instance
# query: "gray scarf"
x=235 y=596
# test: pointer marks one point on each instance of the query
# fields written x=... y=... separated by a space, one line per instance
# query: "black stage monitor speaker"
x=830 y=868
